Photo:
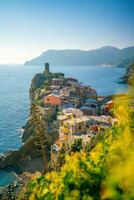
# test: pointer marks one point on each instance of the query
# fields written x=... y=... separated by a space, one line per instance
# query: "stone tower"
x=47 y=67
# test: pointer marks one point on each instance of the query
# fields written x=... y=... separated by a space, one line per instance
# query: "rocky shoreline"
x=9 y=191
x=129 y=76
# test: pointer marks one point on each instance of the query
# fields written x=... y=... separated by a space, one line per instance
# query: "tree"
x=40 y=132
x=77 y=145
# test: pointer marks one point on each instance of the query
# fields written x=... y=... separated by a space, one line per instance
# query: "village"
x=66 y=116
x=81 y=115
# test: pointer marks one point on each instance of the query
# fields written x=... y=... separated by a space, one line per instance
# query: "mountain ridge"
x=75 y=57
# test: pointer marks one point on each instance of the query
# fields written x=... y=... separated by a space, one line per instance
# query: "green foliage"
x=40 y=103
x=41 y=80
x=129 y=76
x=53 y=115
x=77 y=145
x=37 y=81
x=50 y=75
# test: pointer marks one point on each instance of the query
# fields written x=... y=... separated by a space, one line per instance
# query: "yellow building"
x=73 y=126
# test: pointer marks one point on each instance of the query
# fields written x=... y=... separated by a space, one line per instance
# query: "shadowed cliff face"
x=129 y=76
x=29 y=157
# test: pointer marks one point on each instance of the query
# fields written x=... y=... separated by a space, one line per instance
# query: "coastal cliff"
x=28 y=157
x=129 y=76
x=66 y=118
x=42 y=127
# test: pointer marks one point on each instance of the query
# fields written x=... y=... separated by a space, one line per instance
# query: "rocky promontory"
x=129 y=76
x=51 y=94
x=28 y=157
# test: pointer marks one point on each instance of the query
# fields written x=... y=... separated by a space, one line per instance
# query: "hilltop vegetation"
x=38 y=81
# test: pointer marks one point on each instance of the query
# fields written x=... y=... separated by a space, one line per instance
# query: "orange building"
x=94 y=128
x=52 y=100
x=109 y=105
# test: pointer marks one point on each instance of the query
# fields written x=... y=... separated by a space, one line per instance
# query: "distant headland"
x=107 y=55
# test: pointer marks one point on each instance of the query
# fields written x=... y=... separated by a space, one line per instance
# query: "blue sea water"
x=6 y=177
x=14 y=95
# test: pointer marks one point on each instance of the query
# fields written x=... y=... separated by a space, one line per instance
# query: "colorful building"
x=76 y=112
x=52 y=100
x=58 y=81
x=64 y=92
x=73 y=126
x=109 y=105
x=72 y=81
x=85 y=90
x=55 y=154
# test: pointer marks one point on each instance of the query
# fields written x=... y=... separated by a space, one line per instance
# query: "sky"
x=30 y=27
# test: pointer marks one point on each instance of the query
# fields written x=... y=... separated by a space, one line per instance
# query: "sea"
x=14 y=97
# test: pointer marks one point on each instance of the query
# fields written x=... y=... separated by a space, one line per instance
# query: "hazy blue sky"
x=28 y=27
